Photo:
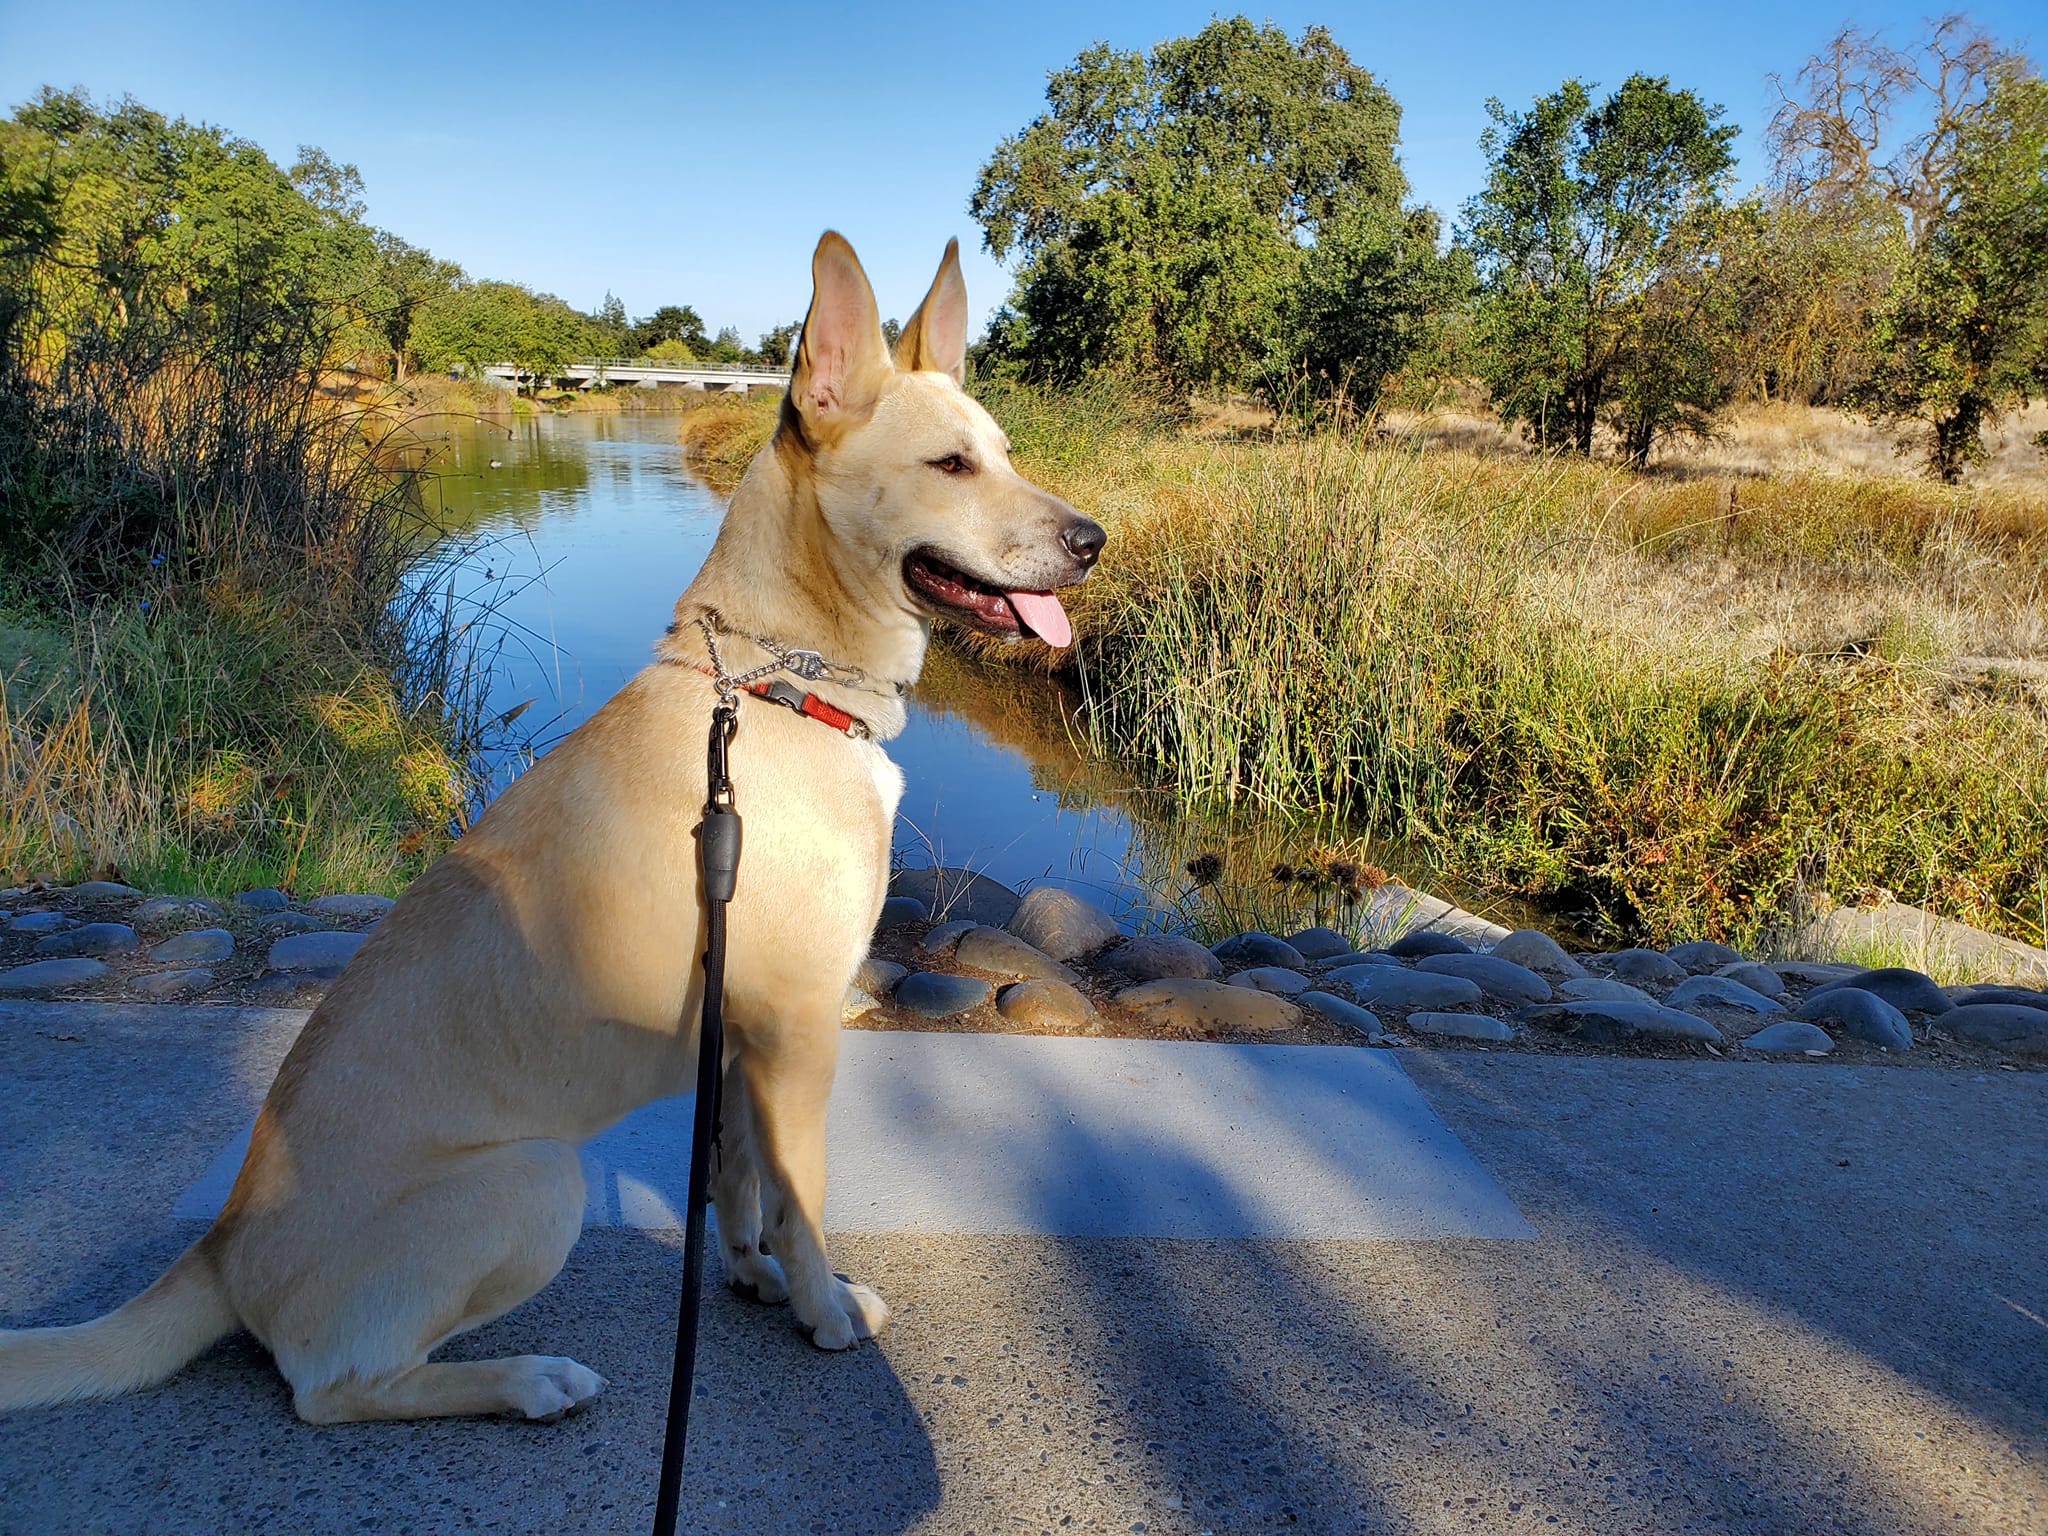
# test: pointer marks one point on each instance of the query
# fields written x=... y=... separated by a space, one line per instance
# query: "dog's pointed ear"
x=841 y=358
x=936 y=337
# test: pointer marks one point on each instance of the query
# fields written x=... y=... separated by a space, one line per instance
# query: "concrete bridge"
x=718 y=378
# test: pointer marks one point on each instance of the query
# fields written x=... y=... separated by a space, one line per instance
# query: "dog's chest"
x=888 y=780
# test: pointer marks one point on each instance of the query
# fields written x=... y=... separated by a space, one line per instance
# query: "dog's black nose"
x=1084 y=538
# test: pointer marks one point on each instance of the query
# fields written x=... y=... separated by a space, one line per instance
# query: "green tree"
x=1963 y=334
x=1589 y=212
x=671 y=322
x=1162 y=206
x=403 y=279
x=1803 y=279
x=774 y=345
x=1371 y=293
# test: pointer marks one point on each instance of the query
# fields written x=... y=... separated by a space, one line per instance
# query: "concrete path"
x=1760 y=1297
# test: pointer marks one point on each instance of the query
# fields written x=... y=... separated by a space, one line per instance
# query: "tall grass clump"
x=721 y=436
x=1628 y=699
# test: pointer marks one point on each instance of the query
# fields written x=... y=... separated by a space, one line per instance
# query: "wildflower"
x=1284 y=874
x=1205 y=868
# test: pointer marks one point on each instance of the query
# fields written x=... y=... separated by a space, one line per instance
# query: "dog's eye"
x=952 y=464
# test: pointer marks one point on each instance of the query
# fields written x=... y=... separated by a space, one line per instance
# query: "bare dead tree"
x=1831 y=138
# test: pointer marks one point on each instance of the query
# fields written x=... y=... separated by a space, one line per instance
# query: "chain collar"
x=808 y=665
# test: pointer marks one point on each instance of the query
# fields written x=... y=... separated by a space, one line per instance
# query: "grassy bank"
x=1667 y=706
x=220 y=663
x=724 y=433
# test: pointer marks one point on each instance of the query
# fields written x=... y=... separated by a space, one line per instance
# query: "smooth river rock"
x=1255 y=948
x=1719 y=994
x=878 y=978
x=1319 y=943
x=898 y=910
x=1421 y=942
x=954 y=894
x=1209 y=1007
x=200 y=946
x=1160 y=956
x=936 y=995
x=327 y=949
x=1601 y=989
x=1327 y=1005
x=42 y=922
x=1640 y=965
x=263 y=898
x=1382 y=987
x=49 y=975
x=1791 y=1037
x=1047 y=1005
x=1704 y=956
x=162 y=984
x=1277 y=979
x=856 y=1004
x=1816 y=973
x=292 y=922
x=1461 y=1026
x=1497 y=977
x=161 y=913
x=2006 y=1025
x=1059 y=923
x=1605 y=1023
x=1756 y=976
x=1005 y=955
x=91 y=939
x=350 y=908
x=1538 y=951
x=2021 y=997
x=1861 y=1015
x=940 y=940
x=1907 y=990
x=1333 y=969
x=103 y=890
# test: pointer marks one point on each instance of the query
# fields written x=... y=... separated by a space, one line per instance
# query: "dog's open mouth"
x=958 y=595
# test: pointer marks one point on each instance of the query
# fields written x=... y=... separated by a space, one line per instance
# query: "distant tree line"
x=115 y=210
x=1227 y=213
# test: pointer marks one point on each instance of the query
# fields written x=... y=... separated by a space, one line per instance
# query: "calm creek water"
x=581 y=530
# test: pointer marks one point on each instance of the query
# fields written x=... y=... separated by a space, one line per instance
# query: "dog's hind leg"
x=789 y=1090
x=736 y=1192
x=353 y=1336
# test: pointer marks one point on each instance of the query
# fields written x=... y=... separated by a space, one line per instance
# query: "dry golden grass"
x=1777 y=440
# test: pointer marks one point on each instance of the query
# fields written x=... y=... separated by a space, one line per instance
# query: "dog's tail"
x=134 y=1346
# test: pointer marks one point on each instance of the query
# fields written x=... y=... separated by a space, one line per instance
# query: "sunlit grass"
x=203 y=747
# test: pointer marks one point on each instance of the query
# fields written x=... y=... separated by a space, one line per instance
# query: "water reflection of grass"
x=1208 y=874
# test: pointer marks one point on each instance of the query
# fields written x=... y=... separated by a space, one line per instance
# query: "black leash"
x=718 y=857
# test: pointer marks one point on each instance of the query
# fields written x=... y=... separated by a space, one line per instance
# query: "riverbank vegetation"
x=219 y=664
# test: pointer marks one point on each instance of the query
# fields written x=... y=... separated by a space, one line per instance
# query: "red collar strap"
x=775 y=691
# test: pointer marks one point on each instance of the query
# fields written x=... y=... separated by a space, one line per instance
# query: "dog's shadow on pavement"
x=782 y=1436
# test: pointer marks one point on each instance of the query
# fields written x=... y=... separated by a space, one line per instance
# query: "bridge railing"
x=695 y=365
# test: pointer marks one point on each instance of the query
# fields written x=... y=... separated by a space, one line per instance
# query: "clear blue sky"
x=691 y=154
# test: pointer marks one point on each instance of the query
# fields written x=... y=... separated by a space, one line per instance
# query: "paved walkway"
x=1748 y=1297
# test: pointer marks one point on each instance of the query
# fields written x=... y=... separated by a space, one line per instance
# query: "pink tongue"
x=1043 y=616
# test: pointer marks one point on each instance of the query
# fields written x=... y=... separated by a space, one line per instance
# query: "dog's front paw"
x=756 y=1277
x=548 y=1388
x=865 y=1311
